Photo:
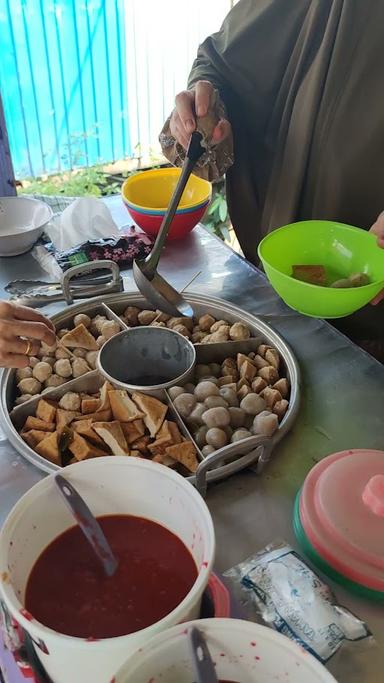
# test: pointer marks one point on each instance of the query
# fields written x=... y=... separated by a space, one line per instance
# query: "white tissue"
x=87 y=218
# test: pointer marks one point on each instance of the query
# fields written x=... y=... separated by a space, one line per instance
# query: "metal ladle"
x=88 y=525
x=151 y=285
x=203 y=666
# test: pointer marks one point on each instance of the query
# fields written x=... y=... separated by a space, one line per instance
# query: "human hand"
x=191 y=104
x=378 y=229
x=21 y=331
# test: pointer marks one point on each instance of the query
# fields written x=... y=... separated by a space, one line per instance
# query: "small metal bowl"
x=147 y=358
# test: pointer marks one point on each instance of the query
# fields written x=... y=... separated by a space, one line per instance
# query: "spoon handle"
x=88 y=524
x=203 y=666
x=194 y=152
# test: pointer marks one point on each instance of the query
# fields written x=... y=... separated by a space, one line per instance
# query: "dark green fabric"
x=303 y=83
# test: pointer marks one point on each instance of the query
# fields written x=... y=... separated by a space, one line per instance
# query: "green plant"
x=217 y=218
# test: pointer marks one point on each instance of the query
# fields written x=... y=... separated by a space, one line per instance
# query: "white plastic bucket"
x=242 y=651
x=117 y=485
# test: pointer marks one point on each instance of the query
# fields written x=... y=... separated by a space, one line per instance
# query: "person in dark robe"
x=296 y=90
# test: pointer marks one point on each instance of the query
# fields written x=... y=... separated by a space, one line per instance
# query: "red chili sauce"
x=68 y=591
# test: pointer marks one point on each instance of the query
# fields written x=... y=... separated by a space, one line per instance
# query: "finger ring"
x=29 y=347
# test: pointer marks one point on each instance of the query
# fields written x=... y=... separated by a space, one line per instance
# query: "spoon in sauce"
x=203 y=666
x=89 y=525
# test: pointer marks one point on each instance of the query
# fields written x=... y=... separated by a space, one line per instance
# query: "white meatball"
x=229 y=395
x=61 y=352
x=216 y=437
x=253 y=404
x=70 y=401
x=265 y=423
x=237 y=416
x=82 y=319
x=23 y=398
x=202 y=371
x=239 y=331
x=30 y=385
x=110 y=328
x=200 y=436
x=48 y=350
x=42 y=371
x=240 y=434
x=205 y=322
x=207 y=450
x=49 y=359
x=23 y=373
x=79 y=367
x=63 y=368
x=189 y=388
x=205 y=389
x=80 y=353
x=195 y=417
x=54 y=381
x=185 y=403
x=216 y=417
x=215 y=369
x=100 y=341
x=91 y=358
x=62 y=332
x=32 y=361
x=175 y=391
x=215 y=402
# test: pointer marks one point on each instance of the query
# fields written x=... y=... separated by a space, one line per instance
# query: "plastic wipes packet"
x=278 y=586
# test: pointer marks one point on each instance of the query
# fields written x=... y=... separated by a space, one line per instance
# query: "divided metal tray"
x=255 y=450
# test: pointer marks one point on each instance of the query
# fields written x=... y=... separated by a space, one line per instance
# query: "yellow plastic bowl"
x=151 y=191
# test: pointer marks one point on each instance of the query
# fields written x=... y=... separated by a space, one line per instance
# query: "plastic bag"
x=278 y=586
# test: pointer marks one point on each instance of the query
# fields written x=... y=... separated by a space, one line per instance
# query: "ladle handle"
x=202 y=663
x=88 y=524
x=194 y=152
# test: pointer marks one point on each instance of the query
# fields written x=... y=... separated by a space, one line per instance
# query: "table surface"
x=342 y=407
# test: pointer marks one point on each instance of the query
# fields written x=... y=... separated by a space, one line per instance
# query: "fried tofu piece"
x=123 y=408
x=185 y=453
x=166 y=460
x=49 y=448
x=83 y=449
x=175 y=431
x=247 y=370
x=164 y=439
x=133 y=430
x=85 y=429
x=33 y=437
x=79 y=338
x=314 y=275
x=36 y=423
x=105 y=403
x=112 y=434
x=46 y=411
x=142 y=444
x=153 y=409
x=90 y=405
x=65 y=417
x=99 y=416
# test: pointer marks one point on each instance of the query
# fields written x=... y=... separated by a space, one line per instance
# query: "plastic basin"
x=342 y=249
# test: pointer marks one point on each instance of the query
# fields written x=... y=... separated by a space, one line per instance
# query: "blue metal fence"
x=63 y=83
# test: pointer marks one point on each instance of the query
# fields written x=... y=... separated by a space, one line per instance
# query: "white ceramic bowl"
x=22 y=221
x=242 y=651
x=117 y=485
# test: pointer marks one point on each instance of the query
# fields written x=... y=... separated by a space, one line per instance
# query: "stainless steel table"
x=342 y=407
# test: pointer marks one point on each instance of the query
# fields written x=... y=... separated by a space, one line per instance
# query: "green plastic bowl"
x=342 y=249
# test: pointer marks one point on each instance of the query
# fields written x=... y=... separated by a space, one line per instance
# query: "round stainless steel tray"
x=224 y=462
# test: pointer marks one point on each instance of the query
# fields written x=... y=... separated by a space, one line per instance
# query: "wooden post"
x=7 y=178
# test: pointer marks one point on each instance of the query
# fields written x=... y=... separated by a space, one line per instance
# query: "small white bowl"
x=22 y=221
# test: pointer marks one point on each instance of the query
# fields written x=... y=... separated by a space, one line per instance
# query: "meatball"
x=239 y=331
x=205 y=322
x=42 y=371
x=215 y=402
x=185 y=403
x=82 y=319
x=30 y=385
x=91 y=358
x=237 y=416
x=253 y=404
x=175 y=391
x=63 y=368
x=110 y=328
x=131 y=315
x=229 y=395
x=207 y=450
x=216 y=417
x=216 y=438
x=205 y=389
x=70 y=401
x=79 y=367
x=240 y=434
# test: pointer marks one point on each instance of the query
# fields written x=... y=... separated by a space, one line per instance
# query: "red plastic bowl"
x=182 y=224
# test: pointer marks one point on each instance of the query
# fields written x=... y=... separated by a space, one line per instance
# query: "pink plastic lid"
x=342 y=513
